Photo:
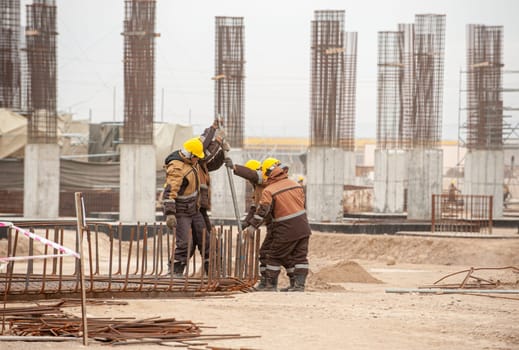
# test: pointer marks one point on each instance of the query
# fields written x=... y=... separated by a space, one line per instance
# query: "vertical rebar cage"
x=229 y=76
x=10 y=81
x=41 y=71
x=330 y=90
x=425 y=119
x=390 y=109
x=139 y=71
x=484 y=87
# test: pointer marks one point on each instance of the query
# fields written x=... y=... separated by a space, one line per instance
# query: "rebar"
x=40 y=36
x=115 y=265
x=484 y=87
x=461 y=213
x=139 y=71
x=10 y=66
x=333 y=75
x=390 y=97
x=229 y=76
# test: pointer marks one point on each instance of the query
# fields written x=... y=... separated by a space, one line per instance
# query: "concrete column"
x=137 y=194
x=425 y=179
x=325 y=184
x=390 y=180
x=484 y=175
x=221 y=198
x=41 y=181
x=350 y=162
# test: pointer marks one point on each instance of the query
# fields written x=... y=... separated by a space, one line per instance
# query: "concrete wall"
x=325 y=184
x=221 y=199
x=138 y=184
x=484 y=175
x=41 y=181
x=390 y=181
x=424 y=180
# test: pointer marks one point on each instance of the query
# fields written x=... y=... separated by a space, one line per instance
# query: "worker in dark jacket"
x=284 y=199
x=181 y=201
x=251 y=171
x=214 y=146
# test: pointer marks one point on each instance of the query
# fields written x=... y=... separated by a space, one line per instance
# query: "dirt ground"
x=347 y=306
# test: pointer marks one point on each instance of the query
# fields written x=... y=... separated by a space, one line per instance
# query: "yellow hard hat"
x=300 y=178
x=195 y=146
x=268 y=165
x=253 y=164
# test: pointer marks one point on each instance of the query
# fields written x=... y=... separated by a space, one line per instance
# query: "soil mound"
x=345 y=271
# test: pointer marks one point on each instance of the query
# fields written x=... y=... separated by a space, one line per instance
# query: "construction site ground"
x=346 y=305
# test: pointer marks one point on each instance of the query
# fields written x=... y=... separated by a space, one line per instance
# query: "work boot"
x=292 y=282
x=271 y=281
x=206 y=268
x=299 y=280
x=261 y=284
x=178 y=269
x=263 y=279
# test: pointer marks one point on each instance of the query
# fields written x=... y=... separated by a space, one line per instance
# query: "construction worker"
x=251 y=171
x=182 y=202
x=214 y=146
x=284 y=200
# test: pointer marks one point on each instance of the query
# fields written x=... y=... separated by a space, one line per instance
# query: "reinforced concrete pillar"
x=137 y=192
x=425 y=179
x=484 y=175
x=221 y=198
x=325 y=184
x=41 y=181
x=390 y=180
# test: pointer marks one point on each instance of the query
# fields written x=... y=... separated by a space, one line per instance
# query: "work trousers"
x=191 y=228
x=288 y=254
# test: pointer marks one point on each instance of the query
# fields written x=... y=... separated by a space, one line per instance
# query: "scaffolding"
x=41 y=71
x=139 y=71
x=10 y=74
x=333 y=75
x=229 y=76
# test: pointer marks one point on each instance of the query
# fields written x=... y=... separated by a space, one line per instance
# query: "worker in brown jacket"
x=181 y=202
x=284 y=199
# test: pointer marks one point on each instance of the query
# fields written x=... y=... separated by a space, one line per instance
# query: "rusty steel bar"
x=461 y=213
x=24 y=281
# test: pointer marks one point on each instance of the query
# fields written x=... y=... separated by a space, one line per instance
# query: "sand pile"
x=345 y=271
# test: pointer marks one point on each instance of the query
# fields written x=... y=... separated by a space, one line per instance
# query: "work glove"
x=171 y=221
x=250 y=230
x=216 y=123
x=228 y=162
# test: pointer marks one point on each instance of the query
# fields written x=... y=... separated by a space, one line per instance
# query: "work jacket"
x=284 y=199
x=182 y=188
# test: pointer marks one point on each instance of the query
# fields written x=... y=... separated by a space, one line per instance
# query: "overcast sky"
x=277 y=52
